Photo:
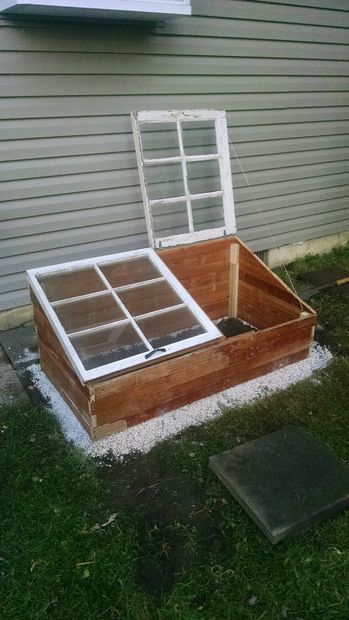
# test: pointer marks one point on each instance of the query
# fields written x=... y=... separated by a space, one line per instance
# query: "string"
x=265 y=222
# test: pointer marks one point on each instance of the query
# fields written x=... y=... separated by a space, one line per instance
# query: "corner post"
x=233 y=280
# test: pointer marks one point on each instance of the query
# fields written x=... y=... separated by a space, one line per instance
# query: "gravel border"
x=144 y=437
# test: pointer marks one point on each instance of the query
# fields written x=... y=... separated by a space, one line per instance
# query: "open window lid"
x=184 y=167
x=115 y=312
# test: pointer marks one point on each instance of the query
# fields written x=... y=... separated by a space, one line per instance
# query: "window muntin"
x=121 y=308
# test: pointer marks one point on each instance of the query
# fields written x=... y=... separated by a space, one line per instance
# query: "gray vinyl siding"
x=69 y=183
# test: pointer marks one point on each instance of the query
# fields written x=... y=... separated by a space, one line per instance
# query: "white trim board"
x=178 y=118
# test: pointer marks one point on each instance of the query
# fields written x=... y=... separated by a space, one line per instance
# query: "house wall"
x=70 y=185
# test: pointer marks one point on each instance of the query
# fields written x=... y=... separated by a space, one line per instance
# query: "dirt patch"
x=175 y=528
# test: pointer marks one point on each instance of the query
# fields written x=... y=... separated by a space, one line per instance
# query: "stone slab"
x=325 y=338
x=304 y=291
x=324 y=278
x=286 y=481
x=11 y=388
x=20 y=345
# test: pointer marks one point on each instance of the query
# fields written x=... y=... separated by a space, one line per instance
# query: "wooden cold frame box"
x=221 y=286
x=285 y=332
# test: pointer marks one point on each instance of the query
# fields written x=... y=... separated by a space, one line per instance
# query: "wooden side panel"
x=155 y=390
x=203 y=269
x=66 y=387
x=55 y=364
x=209 y=389
x=263 y=299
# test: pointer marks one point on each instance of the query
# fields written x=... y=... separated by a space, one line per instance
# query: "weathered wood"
x=203 y=268
x=216 y=366
x=47 y=336
x=209 y=390
x=216 y=353
x=108 y=429
x=67 y=389
x=259 y=308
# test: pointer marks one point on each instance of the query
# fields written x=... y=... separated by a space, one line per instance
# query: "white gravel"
x=143 y=437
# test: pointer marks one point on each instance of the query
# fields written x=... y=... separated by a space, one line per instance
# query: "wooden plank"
x=274 y=279
x=203 y=391
x=265 y=310
x=204 y=271
x=47 y=337
x=108 y=429
x=209 y=389
x=269 y=285
x=216 y=353
x=233 y=280
x=231 y=351
x=66 y=387
x=264 y=300
x=210 y=383
x=154 y=386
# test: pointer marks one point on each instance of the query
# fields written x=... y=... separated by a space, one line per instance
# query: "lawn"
x=158 y=536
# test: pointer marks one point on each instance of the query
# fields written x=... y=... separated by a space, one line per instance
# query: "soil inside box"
x=233 y=327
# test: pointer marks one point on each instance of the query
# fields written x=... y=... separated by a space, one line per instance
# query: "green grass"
x=333 y=310
x=179 y=546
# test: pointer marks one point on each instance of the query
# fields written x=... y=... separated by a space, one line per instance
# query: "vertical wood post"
x=233 y=280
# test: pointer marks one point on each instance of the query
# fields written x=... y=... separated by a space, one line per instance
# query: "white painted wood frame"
x=210 y=333
x=179 y=117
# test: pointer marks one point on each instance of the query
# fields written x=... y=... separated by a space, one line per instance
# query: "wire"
x=265 y=222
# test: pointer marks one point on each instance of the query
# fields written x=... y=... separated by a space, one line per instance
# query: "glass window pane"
x=208 y=213
x=170 y=327
x=159 y=140
x=203 y=176
x=199 y=137
x=85 y=313
x=164 y=181
x=129 y=271
x=170 y=219
x=148 y=298
x=108 y=345
x=71 y=283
